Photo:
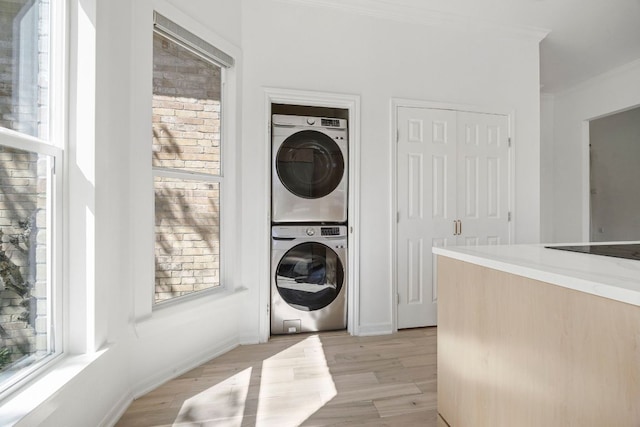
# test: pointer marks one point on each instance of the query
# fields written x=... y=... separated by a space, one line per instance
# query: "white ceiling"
x=586 y=37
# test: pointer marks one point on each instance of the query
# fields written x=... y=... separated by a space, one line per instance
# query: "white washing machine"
x=309 y=169
x=308 y=278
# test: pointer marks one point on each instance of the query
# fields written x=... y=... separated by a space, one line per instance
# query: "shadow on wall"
x=187 y=218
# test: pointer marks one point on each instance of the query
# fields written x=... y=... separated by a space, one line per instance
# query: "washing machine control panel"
x=330 y=123
x=330 y=231
x=307 y=231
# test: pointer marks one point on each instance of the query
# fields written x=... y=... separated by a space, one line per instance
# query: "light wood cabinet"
x=513 y=351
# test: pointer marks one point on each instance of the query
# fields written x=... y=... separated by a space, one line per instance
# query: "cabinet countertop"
x=614 y=278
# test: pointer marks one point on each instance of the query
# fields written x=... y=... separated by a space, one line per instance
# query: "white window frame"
x=54 y=146
x=228 y=260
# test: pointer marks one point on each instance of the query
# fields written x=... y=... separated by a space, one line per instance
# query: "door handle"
x=457 y=227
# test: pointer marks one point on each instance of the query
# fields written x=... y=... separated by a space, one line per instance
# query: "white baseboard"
x=117 y=411
x=149 y=384
x=375 y=329
x=175 y=370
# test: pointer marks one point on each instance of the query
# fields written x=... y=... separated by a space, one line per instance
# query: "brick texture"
x=24 y=49
x=186 y=137
x=24 y=52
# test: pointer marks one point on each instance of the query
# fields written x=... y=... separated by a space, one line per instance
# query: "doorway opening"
x=614 y=155
x=317 y=104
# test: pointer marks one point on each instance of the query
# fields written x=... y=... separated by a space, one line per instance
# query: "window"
x=29 y=208
x=187 y=158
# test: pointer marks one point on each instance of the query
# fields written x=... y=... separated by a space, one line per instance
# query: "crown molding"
x=390 y=10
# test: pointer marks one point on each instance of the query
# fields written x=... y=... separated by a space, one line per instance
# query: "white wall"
x=614 y=91
x=615 y=157
x=294 y=46
x=547 y=167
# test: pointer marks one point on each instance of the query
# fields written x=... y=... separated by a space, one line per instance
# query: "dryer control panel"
x=330 y=231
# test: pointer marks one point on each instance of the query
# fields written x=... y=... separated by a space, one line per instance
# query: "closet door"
x=482 y=178
x=426 y=198
x=452 y=189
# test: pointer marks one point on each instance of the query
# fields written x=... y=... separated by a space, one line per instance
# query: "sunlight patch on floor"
x=224 y=400
x=295 y=383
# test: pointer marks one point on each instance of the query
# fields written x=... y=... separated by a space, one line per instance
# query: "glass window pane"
x=187 y=237
x=24 y=66
x=186 y=109
x=24 y=286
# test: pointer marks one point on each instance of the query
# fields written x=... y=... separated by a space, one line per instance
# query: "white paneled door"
x=452 y=189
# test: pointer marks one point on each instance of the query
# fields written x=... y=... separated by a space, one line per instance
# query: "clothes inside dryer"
x=309 y=276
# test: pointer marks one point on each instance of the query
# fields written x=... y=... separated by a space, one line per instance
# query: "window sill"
x=26 y=407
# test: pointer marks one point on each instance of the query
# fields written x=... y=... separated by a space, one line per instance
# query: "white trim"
x=142 y=224
x=438 y=105
x=511 y=117
x=21 y=141
x=79 y=321
x=586 y=182
x=393 y=158
x=186 y=175
x=59 y=136
x=416 y=14
x=174 y=371
x=190 y=24
x=53 y=144
x=29 y=406
x=443 y=105
x=177 y=33
x=375 y=329
x=170 y=372
x=315 y=99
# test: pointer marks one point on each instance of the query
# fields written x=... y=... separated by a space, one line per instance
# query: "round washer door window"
x=309 y=276
x=310 y=164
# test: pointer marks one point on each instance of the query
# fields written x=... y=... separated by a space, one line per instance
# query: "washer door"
x=310 y=164
x=309 y=276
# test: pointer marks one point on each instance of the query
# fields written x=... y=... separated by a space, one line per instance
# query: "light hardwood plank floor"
x=319 y=379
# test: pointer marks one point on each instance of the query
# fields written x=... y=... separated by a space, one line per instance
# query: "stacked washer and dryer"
x=309 y=194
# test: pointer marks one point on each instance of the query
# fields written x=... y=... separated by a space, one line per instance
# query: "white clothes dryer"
x=309 y=169
x=308 y=278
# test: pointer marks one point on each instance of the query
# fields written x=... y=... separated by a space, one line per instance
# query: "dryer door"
x=309 y=276
x=310 y=164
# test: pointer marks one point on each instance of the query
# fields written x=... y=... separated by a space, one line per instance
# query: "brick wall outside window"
x=24 y=89
x=186 y=138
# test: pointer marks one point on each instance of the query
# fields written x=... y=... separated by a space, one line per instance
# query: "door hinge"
x=509 y=142
x=398 y=298
x=397 y=135
x=398 y=216
x=508 y=216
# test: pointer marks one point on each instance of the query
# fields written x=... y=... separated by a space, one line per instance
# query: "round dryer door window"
x=309 y=276
x=310 y=164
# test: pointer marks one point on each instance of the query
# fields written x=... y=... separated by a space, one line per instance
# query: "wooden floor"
x=321 y=379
